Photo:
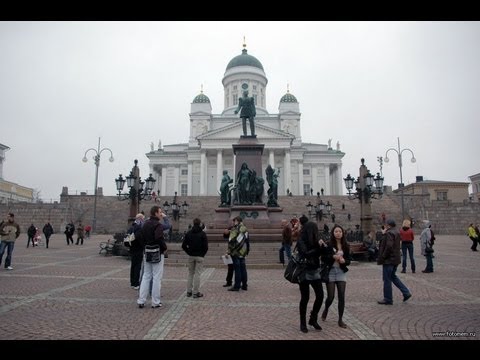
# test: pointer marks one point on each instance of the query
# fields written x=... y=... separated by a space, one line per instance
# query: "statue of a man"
x=225 y=189
x=338 y=145
x=247 y=104
x=151 y=146
x=329 y=143
x=243 y=184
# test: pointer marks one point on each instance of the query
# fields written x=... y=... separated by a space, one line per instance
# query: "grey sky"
x=64 y=84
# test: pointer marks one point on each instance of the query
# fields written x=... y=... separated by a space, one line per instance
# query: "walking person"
x=472 y=234
x=9 y=232
x=406 y=235
x=152 y=233
x=195 y=245
x=309 y=248
x=337 y=261
x=69 y=231
x=47 y=231
x=238 y=249
x=31 y=231
x=286 y=247
x=136 y=251
x=80 y=233
x=426 y=244
x=389 y=258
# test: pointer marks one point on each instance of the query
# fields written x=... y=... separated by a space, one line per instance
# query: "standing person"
x=195 y=245
x=389 y=258
x=426 y=244
x=229 y=278
x=69 y=231
x=472 y=234
x=406 y=235
x=296 y=228
x=88 y=228
x=80 y=233
x=47 y=231
x=337 y=261
x=238 y=249
x=9 y=232
x=136 y=251
x=286 y=242
x=31 y=235
x=308 y=247
x=152 y=233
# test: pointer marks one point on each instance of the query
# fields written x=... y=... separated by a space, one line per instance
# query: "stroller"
x=37 y=239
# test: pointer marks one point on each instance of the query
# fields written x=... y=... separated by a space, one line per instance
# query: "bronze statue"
x=247 y=104
x=249 y=187
x=272 y=180
x=225 y=189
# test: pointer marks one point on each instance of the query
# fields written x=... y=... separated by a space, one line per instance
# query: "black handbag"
x=429 y=250
x=152 y=254
x=325 y=273
x=295 y=270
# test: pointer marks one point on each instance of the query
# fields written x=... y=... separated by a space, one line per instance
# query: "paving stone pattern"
x=72 y=292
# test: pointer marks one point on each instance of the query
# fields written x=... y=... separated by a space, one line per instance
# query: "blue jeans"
x=9 y=245
x=407 y=246
x=288 y=250
x=390 y=277
x=240 y=272
x=429 y=267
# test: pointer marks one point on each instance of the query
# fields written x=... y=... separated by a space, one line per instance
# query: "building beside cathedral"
x=195 y=168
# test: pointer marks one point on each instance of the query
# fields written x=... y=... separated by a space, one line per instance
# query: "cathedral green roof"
x=288 y=98
x=244 y=60
x=201 y=98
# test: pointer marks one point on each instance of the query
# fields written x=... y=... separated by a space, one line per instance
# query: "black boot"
x=313 y=321
x=303 y=321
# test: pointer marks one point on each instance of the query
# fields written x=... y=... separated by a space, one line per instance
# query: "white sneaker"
x=135 y=287
x=9 y=268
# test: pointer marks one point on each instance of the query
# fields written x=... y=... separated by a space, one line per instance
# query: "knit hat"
x=391 y=223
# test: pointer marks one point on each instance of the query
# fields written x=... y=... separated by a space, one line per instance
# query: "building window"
x=227 y=101
x=235 y=99
x=255 y=99
x=254 y=87
x=183 y=189
x=306 y=171
x=234 y=87
x=184 y=171
x=306 y=189
x=441 y=195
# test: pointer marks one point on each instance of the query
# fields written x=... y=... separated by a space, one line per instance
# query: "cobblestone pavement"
x=72 y=292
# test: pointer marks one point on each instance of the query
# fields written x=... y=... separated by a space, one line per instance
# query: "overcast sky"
x=64 y=84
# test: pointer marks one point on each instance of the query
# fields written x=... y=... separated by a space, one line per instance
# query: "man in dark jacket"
x=195 y=245
x=389 y=258
x=31 y=235
x=48 y=231
x=136 y=250
x=152 y=234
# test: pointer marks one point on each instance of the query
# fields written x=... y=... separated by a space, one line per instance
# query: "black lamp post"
x=176 y=207
x=364 y=192
x=136 y=192
x=319 y=209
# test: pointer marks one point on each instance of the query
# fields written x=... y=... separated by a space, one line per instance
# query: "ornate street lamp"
x=367 y=187
x=319 y=209
x=399 y=153
x=96 y=159
x=176 y=207
x=136 y=192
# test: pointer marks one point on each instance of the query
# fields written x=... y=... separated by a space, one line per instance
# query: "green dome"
x=244 y=60
x=288 y=98
x=201 y=98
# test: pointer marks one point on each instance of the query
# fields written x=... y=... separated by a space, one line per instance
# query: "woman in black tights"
x=336 y=259
x=309 y=248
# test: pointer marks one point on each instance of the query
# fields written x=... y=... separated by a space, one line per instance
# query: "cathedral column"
x=190 y=178
x=203 y=171
x=176 y=180
x=315 y=186
x=300 y=178
x=327 y=180
x=339 y=180
x=164 y=181
x=287 y=173
x=271 y=158
x=219 y=167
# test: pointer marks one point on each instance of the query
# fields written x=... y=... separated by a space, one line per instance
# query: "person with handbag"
x=136 y=251
x=336 y=260
x=309 y=248
x=427 y=247
x=155 y=247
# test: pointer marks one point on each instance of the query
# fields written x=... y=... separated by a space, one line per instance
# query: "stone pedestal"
x=249 y=151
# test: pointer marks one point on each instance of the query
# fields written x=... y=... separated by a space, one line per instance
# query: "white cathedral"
x=195 y=168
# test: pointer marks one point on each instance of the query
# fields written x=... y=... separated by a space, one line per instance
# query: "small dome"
x=288 y=98
x=201 y=98
x=244 y=60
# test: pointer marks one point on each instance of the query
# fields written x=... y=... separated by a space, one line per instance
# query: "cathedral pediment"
x=233 y=131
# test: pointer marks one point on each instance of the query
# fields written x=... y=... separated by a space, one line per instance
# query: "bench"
x=358 y=249
x=106 y=247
